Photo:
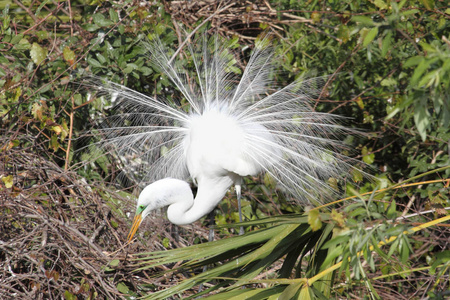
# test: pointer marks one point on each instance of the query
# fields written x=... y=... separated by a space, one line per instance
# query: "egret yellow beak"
x=136 y=222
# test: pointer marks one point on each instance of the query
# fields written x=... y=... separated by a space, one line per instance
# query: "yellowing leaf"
x=54 y=143
x=338 y=218
x=304 y=293
x=315 y=16
x=314 y=220
x=343 y=33
x=8 y=181
x=37 y=110
x=333 y=183
x=65 y=130
x=18 y=94
x=429 y=4
x=69 y=55
x=360 y=102
x=37 y=53
x=57 y=129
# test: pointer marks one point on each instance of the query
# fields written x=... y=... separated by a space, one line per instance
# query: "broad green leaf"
x=422 y=120
x=370 y=36
x=386 y=44
x=413 y=61
x=290 y=291
x=100 y=58
x=409 y=12
x=93 y=62
x=380 y=4
x=100 y=20
x=114 y=262
x=363 y=20
x=16 y=39
x=37 y=53
x=113 y=15
x=69 y=296
x=121 y=287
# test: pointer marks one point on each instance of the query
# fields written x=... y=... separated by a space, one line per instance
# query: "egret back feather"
x=237 y=124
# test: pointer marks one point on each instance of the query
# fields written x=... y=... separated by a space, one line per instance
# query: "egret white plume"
x=232 y=126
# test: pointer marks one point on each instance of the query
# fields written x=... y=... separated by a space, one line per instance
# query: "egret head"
x=159 y=194
x=145 y=204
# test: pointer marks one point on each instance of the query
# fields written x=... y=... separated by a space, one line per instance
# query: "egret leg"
x=212 y=221
x=238 y=194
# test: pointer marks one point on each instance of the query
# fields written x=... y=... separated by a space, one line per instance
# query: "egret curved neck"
x=210 y=192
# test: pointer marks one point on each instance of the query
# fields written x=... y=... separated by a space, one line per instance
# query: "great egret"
x=230 y=131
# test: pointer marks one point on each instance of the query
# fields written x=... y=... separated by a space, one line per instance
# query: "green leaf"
x=368 y=158
x=380 y=4
x=290 y=291
x=16 y=39
x=114 y=262
x=409 y=12
x=93 y=62
x=442 y=257
x=335 y=241
x=90 y=27
x=100 y=58
x=37 y=53
x=422 y=120
x=392 y=210
x=100 y=20
x=367 y=21
x=386 y=44
x=113 y=15
x=69 y=296
x=413 y=61
x=370 y=36
x=121 y=287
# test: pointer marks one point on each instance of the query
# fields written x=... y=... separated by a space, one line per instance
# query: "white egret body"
x=231 y=131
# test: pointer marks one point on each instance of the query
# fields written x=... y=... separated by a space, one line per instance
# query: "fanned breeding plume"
x=233 y=126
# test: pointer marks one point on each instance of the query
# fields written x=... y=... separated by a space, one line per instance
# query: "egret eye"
x=140 y=209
